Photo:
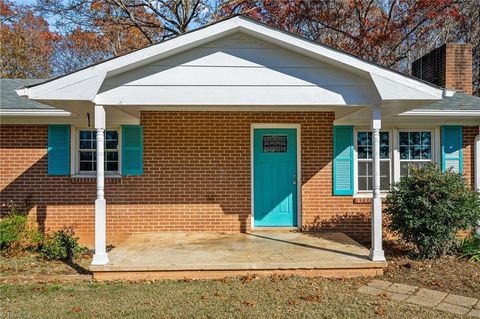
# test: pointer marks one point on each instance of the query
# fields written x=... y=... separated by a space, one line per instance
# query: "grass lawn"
x=274 y=297
x=255 y=297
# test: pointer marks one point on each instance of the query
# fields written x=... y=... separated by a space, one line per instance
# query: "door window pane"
x=274 y=143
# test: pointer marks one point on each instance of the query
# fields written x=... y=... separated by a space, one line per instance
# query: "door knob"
x=294 y=179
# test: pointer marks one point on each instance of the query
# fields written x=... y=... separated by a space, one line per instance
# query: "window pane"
x=426 y=152
x=362 y=168
x=403 y=138
x=426 y=138
x=384 y=183
x=85 y=145
x=384 y=152
x=363 y=152
x=404 y=152
x=384 y=175
x=385 y=168
x=86 y=156
x=414 y=152
x=111 y=135
x=414 y=138
x=112 y=166
x=112 y=156
x=362 y=138
x=362 y=184
x=85 y=166
x=111 y=145
x=384 y=136
x=85 y=135
x=406 y=166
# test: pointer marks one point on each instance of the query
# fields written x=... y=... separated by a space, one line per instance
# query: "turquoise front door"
x=275 y=177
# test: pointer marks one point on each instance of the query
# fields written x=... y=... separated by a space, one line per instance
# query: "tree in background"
x=99 y=29
x=383 y=32
x=393 y=33
x=27 y=44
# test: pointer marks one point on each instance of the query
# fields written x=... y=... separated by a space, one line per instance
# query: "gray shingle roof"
x=10 y=100
x=459 y=101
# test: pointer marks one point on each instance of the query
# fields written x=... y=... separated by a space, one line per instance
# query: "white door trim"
x=254 y=126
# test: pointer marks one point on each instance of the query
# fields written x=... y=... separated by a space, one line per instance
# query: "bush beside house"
x=17 y=235
x=429 y=208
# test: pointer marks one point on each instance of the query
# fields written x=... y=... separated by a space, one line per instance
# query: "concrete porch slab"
x=222 y=254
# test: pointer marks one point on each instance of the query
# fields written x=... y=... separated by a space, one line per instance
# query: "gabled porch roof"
x=391 y=89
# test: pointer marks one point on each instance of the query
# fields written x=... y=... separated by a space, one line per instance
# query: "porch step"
x=275 y=229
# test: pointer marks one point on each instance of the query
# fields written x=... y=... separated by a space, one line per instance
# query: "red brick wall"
x=196 y=178
x=469 y=134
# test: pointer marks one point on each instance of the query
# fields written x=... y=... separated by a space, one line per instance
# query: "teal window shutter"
x=58 y=150
x=132 y=150
x=343 y=160
x=452 y=148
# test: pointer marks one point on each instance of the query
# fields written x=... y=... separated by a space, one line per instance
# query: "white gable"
x=238 y=70
x=220 y=65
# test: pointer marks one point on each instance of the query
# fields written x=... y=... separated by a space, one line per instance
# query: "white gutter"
x=431 y=112
x=33 y=112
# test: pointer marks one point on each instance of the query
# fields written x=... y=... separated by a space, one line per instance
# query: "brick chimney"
x=449 y=66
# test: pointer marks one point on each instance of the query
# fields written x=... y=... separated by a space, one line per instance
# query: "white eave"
x=448 y=113
x=33 y=112
x=84 y=84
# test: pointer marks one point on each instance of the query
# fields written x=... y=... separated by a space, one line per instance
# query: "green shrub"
x=16 y=234
x=469 y=248
x=61 y=245
x=429 y=207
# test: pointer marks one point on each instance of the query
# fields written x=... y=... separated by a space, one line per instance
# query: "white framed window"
x=86 y=151
x=415 y=148
x=364 y=165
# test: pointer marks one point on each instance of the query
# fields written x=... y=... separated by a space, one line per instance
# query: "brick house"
x=233 y=127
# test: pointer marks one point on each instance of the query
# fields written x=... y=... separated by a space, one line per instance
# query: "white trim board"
x=254 y=126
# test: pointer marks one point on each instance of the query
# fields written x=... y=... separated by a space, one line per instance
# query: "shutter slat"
x=343 y=160
x=132 y=150
x=58 y=150
x=452 y=148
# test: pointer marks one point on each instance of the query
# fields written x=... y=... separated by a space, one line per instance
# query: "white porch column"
x=477 y=169
x=100 y=257
x=376 y=252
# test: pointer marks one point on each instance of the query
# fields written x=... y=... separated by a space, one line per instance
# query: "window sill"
x=369 y=195
x=89 y=176
x=366 y=198
x=92 y=179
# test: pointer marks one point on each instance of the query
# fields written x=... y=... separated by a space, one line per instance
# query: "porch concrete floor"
x=263 y=250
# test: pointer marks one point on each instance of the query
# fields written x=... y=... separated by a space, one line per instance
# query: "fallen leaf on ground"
x=248 y=278
x=249 y=303
x=76 y=309
x=380 y=311
x=311 y=298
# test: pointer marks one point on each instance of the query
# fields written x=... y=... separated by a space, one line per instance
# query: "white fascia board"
x=84 y=84
x=455 y=113
x=392 y=90
x=33 y=112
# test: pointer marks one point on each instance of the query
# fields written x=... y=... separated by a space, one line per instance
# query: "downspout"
x=477 y=170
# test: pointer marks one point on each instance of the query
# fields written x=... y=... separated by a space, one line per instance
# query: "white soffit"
x=84 y=84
